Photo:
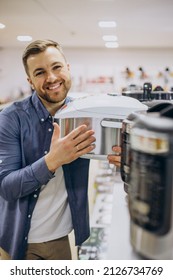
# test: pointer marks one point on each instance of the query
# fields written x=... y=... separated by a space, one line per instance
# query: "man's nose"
x=51 y=77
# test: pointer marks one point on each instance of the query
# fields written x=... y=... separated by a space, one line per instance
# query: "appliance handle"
x=112 y=124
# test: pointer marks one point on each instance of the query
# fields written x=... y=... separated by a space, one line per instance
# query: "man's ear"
x=30 y=82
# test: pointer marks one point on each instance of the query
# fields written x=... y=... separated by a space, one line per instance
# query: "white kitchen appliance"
x=104 y=114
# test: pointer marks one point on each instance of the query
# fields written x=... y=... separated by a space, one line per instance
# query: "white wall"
x=89 y=63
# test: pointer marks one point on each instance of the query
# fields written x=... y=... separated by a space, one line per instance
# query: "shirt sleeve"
x=16 y=179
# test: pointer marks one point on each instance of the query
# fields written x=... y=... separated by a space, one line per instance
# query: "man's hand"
x=115 y=158
x=65 y=150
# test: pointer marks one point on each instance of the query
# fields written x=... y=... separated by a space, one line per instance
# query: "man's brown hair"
x=36 y=47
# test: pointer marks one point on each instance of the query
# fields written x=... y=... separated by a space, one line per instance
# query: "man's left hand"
x=115 y=158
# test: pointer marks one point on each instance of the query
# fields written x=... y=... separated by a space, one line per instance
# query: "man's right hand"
x=64 y=150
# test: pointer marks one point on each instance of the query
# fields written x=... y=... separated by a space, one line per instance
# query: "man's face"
x=49 y=75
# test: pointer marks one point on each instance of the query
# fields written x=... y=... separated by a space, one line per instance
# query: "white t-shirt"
x=51 y=217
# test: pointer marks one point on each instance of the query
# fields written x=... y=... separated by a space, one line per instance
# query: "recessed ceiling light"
x=111 y=45
x=102 y=0
x=2 y=26
x=109 y=38
x=107 y=23
x=24 y=38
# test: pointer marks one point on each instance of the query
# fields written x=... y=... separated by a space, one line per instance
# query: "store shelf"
x=119 y=247
x=110 y=221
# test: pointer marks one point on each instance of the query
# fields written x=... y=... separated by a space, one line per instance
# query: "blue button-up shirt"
x=26 y=129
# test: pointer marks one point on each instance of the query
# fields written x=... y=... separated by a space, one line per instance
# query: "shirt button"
x=35 y=195
x=26 y=237
x=29 y=216
x=50 y=129
x=0 y=160
x=42 y=120
x=45 y=152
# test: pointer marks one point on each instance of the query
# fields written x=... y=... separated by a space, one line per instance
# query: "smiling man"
x=42 y=193
x=41 y=196
x=49 y=74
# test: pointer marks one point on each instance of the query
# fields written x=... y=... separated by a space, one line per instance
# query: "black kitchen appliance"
x=147 y=94
x=127 y=125
x=150 y=196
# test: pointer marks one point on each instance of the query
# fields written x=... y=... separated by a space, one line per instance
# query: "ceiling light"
x=111 y=38
x=24 y=38
x=107 y=24
x=2 y=25
x=111 y=45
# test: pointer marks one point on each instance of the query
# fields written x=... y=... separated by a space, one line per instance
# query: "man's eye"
x=39 y=73
x=57 y=67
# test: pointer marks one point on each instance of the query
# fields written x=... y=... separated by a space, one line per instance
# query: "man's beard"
x=56 y=97
x=50 y=99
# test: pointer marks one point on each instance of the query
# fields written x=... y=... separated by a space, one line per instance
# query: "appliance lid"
x=104 y=105
x=155 y=123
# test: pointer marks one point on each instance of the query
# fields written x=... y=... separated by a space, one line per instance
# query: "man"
x=43 y=180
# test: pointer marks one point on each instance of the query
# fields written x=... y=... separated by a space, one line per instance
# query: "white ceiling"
x=74 y=23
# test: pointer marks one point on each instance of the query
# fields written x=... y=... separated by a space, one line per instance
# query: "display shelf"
x=119 y=247
x=101 y=217
x=110 y=221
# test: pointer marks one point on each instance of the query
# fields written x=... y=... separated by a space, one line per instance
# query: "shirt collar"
x=42 y=112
